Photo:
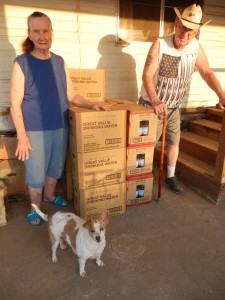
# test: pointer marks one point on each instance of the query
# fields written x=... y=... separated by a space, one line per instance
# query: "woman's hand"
x=99 y=106
x=23 y=147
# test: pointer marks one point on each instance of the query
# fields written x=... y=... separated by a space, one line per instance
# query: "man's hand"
x=160 y=108
x=220 y=106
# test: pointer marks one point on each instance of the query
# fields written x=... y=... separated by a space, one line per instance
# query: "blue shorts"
x=47 y=157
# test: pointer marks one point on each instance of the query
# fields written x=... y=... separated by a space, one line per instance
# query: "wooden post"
x=162 y=156
x=2 y=204
x=219 y=174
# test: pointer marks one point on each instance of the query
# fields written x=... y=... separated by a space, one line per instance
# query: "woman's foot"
x=34 y=219
x=35 y=198
x=58 y=201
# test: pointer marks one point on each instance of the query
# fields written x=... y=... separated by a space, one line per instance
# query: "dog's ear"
x=104 y=217
x=87 y=224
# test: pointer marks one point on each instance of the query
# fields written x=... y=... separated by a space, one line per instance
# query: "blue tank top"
x=45 y=103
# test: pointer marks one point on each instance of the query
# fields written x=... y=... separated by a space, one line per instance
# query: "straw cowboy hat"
x=191 y=16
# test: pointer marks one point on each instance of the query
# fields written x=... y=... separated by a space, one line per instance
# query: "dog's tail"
x=44 y=216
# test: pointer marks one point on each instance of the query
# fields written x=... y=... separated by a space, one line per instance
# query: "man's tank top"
x=45 y=103
x=174 y=72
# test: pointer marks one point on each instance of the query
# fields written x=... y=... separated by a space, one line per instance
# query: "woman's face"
x=40 y=33
x=183 y=35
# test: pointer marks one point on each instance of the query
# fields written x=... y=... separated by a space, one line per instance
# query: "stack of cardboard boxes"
x=97 y=143
x=96 y=159
x=141 y=138
x=12 y=167
x=110 y=153
x=12 y=172
x=89 y=84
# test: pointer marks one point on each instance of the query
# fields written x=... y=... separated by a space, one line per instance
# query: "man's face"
x=40 y=32
x=183 y=35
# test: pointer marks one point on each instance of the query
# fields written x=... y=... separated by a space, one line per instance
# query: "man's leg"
x=172 y=155
x=173 y=139
x=171 y=181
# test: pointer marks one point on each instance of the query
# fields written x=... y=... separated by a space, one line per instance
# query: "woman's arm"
x=16 y=98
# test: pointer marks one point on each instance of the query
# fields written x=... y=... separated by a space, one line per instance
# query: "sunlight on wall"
x=63 y=22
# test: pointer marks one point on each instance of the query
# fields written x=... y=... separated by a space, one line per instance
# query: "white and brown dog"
x=86 y=238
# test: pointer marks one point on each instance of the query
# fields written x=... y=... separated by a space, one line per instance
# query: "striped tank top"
x=174 y=71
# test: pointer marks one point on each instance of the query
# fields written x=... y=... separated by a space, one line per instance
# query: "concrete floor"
x=168 y=250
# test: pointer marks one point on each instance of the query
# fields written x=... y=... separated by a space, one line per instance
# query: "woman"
x=40 y=90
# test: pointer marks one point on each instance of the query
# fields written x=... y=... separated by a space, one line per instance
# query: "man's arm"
x=150 y=68
x=79 y=100
x=208 y=75
x=16 y=98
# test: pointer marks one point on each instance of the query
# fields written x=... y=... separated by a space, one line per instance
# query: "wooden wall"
x=84 y=34
x=212 y=39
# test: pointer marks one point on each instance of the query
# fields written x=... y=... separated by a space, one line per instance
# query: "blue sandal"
x=34 y=216
x=59 y=201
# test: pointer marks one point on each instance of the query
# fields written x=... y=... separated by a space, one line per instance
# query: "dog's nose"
x=98 y=239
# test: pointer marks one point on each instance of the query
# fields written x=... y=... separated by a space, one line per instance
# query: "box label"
x=139 y=189
x=97 y=130
x=139 y=159
x=91 y=202
x=99 y=168
x=89 y=83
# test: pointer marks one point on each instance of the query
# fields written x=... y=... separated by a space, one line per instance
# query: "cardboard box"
x=120 y=102
x=99 y=168
x=139 y=159
x=67 y=180
x=68 y=162
x=6 y=121
x=15 y=170
x=89 y=83
x=139 y=189
x=97 y=130
x=141 y=121
x=90 y=203
x=8 y=147
x=142 y=125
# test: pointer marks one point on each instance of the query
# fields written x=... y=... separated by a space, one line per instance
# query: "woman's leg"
x=35 y=198
x=56 y=163
x=49 y=190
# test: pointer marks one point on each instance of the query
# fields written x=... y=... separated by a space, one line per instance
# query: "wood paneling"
x=84 y=34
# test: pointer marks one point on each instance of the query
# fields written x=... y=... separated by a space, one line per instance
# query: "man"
x=167 y=73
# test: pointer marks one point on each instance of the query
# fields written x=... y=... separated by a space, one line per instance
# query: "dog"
x=86 y=238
